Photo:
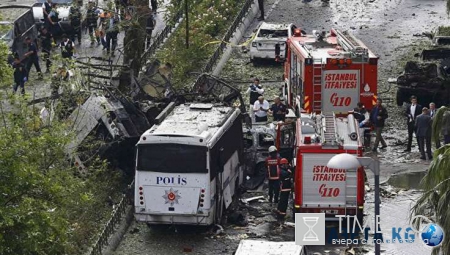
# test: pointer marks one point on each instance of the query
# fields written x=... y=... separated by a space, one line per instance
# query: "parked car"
x=268 y=37
x=14 y=30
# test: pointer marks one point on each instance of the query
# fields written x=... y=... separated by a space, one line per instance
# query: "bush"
x=208 y=22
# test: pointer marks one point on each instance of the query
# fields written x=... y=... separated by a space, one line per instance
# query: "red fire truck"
x=329 y=72
x=319 y=189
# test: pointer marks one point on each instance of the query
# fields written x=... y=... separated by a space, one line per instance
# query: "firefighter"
x=46 y=45
x=273 y=172
x=91 y=21
x=75 y=23
x=285 y=187
x=66 y=46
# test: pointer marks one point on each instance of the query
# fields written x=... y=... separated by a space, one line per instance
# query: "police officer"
x=149 y=28
x=255 y=91
x=32 y=57
x=75 y=23
x=66 y=46
x=91 y=21
x=112 y=30
x=20 y=74
x=46 y=8
x=46 y=45
x=53 y=18
x=273 y=172
x=285 y=187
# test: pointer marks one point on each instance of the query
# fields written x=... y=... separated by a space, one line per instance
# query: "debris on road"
x=247 y=200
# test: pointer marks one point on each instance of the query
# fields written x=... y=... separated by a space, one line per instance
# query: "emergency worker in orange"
x=273 y=173
x=285 y=187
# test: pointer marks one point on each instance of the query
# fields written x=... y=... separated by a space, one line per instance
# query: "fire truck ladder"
x=351 y=190
x=330 y=136
x=317 y=85
x=350 y=43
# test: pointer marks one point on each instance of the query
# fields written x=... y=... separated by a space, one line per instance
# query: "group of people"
x=261 y=107
x=279 y=173
x=102 y=27
x=418 y=120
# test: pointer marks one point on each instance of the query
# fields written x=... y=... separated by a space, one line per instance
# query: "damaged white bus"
x=188 y=167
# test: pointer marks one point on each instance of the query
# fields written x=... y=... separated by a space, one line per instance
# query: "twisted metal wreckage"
x=117 y=120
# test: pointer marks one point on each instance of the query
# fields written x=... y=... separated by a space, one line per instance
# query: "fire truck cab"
x=319 y=189
x=328 y=72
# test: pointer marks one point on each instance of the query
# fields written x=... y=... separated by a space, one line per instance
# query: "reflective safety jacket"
x=273 y=168
x=285 y=176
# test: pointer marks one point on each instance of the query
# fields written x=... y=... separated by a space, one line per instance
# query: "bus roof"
x=193 y=123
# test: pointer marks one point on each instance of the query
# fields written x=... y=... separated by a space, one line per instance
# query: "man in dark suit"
x=432 y=110
x=423 y=133
x=412 y=111
x=378 y=115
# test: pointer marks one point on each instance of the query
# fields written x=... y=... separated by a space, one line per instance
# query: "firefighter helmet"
x=284 y=161
x=272 y=149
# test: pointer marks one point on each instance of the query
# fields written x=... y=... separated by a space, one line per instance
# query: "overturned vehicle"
x=428 y=78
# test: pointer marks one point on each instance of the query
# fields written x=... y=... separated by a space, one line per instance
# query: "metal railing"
x=114 y=221
x=237 y=21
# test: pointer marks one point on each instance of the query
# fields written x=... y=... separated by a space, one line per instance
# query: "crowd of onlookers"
x=102 y=25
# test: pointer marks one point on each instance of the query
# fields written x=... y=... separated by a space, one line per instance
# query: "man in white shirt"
x=260 y=108
x=412 y=111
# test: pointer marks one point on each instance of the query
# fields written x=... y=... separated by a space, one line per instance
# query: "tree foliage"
x=208 y=21
x=46 y=205
x=435 y=200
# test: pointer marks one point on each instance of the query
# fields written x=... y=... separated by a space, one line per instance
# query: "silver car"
x=267 y=37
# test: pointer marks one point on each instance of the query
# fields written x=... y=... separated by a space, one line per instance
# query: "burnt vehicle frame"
x=428 y=78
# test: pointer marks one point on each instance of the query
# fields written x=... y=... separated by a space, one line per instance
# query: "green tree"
x=435 y=200
x=46 y=205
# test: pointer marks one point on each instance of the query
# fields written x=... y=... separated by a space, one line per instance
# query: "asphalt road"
x=388 y=28
x=41 y=88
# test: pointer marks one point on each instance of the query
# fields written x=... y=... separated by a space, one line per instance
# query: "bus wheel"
x=260 y=169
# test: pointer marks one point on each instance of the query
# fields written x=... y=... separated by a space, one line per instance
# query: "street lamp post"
x=347 y=161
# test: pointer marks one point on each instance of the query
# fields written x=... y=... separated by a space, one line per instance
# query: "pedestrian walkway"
x=42 y=88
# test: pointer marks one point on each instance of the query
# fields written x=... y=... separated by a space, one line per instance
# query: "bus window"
x=171 y=158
